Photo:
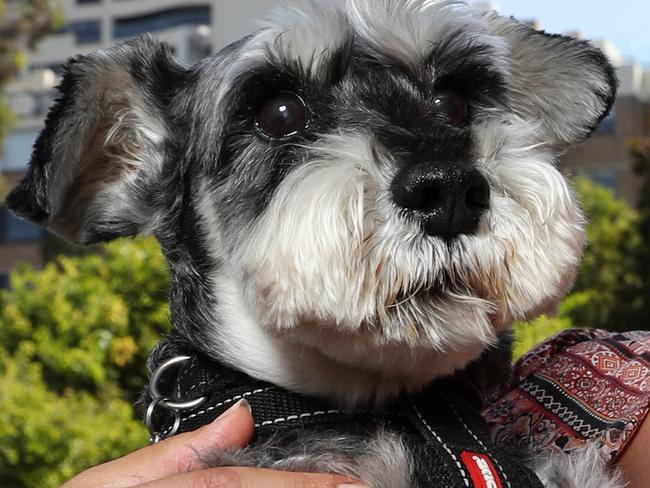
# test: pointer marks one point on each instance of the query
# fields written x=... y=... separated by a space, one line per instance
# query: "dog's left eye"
x=282 y=115
x=452 y=106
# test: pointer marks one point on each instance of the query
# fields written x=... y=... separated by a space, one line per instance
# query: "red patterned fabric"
x=583 y=385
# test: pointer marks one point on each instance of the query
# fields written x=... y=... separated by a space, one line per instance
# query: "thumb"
x=233 y=428
x=178 y=454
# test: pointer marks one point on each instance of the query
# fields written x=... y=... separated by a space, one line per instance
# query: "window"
x=4 y=280
x=13 y=229
x=86 y=31
x=166 y=19
x=17 y=151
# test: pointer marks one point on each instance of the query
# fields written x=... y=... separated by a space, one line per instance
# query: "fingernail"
x=241 y=403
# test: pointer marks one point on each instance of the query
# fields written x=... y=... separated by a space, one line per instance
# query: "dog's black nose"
x=447 y=198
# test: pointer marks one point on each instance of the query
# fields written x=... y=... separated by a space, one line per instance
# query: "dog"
x=355 y=200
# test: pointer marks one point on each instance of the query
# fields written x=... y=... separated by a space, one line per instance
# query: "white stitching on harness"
x=217 y=405
x=445 y=447
x=450 y=405
x=279 y=420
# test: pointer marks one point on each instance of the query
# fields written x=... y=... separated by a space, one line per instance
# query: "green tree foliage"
x=74 y=339
x=47 y=437
x=607 y=293
x=641 y=156
x=91 y=320
x=529 y=334
x=4 y=188
x=22 y=24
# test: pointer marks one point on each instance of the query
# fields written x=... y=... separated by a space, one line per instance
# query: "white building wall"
x=231 y=19
x=645 y=86
x=235 y=19
x=630 y=77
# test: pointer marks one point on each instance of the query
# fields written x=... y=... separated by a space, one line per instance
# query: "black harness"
x=442 y=426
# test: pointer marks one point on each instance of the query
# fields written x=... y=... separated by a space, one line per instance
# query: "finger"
x=178 y=454
x=251 y=478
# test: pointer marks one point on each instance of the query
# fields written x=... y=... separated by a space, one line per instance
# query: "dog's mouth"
x=441 y=288
x=431 y=293
x=486 y=286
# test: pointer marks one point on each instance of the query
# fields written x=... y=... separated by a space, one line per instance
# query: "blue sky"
x=626 y=22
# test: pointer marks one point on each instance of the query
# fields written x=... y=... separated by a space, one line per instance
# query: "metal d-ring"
x=160 y=398
x=148 y=420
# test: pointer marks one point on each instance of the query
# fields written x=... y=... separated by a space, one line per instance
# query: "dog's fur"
x=290 y=259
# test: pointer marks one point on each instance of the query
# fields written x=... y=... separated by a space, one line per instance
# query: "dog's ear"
x=97 y=163
x=564 y=84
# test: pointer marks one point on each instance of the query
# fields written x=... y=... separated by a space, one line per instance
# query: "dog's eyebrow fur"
x=469 y=65
x=276 y=72
x=462 y=65
x=339 y=63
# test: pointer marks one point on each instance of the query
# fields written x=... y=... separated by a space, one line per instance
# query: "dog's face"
x=372 y=181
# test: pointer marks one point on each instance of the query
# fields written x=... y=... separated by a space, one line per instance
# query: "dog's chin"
x=412 y=366
x=435 y=336
x=427 y=333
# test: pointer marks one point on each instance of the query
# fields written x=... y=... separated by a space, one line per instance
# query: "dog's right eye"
x=452 y=106
x=282 y=115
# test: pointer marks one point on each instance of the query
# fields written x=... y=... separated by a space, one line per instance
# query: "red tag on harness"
x=481 y=469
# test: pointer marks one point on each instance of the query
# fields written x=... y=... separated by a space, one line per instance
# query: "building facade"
x=193 y=29
x=606 y=158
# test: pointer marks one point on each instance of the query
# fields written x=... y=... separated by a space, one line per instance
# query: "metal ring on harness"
x=158 y=399
x=158 y=436
x=155 y=392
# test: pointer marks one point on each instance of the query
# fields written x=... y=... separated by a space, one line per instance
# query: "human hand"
x=174 y=463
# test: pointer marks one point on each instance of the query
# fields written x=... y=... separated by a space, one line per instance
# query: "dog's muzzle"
x=448 y=198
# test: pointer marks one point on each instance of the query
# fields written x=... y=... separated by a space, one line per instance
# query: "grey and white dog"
x=354 y=200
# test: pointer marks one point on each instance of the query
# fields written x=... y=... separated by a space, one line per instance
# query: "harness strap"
x=443 y=430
